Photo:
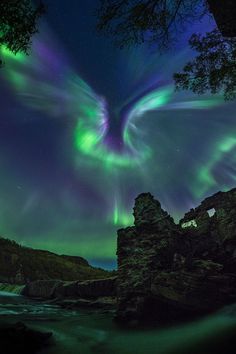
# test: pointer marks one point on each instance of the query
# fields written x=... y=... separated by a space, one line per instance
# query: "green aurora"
x=93 y=163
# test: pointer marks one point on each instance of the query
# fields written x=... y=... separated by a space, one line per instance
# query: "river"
x=86 y=332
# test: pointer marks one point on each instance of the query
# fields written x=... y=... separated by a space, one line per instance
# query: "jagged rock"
x=214 y=236
x=149 y=214
x=142 y=251
x=168 y=271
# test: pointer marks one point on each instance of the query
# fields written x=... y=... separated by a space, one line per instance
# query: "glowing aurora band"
x=221 y=152
x=46 y=82
x=58 y=90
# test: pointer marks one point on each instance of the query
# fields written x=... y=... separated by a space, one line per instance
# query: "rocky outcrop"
x=18 y=338
x=20 y=265
x=89 y=289
x=97 y=288
x=54 y=289
x=43 y=289
x=214 y=233
x=168 y=271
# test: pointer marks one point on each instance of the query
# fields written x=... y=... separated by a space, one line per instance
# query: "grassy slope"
x=34 y=264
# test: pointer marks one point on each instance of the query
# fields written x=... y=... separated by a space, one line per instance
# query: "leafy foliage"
x=18 y=23
x=137 y=21
x=213 y=69
x=160 y=21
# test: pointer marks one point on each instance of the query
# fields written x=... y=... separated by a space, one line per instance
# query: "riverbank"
x=91 y=294
x=94 y=332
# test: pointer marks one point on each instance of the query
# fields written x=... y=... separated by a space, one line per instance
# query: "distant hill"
x=19 y=265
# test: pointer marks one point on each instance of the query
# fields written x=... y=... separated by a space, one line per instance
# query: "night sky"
x=85 y=127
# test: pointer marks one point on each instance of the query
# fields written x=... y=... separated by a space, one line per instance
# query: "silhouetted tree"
x=225 y=16
x=160 y=21
x=213 y=69
x=136 y=21
x=18 y=22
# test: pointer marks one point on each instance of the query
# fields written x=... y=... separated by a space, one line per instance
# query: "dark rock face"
x=55 y=289
x=97 y=288
x=214 y=237
x=18 y=338
x=148 y=213
x=44 y=289
x=168 y=271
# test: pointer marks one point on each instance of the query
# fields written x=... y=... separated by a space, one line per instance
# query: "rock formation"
x=97 y=293
x=170 y=272
x=18 y=338
x=89 y=289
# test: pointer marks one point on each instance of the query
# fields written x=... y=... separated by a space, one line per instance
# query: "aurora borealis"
x=86 y=127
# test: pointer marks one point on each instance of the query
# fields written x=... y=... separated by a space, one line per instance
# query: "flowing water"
x=86 y=332
x=11 y=288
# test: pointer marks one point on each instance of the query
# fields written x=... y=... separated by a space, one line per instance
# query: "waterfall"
x=11 y=288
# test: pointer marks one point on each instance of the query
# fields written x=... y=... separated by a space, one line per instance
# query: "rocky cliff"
x=20 y=265
x=168 y=271
x=87 y=289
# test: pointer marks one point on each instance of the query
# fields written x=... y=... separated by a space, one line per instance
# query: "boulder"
x=90 y=289
x=18 y=338
x=66 y=290
x=44 y=289
x=97 y=288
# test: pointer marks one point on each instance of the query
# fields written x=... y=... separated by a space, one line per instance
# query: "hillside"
x=19 y=265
